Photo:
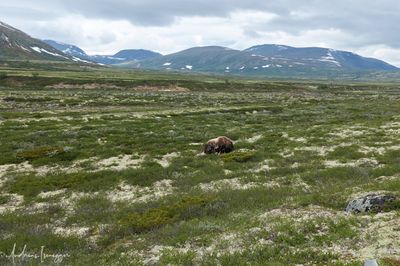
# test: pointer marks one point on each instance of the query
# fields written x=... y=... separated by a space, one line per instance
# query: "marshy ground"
x=112 y=172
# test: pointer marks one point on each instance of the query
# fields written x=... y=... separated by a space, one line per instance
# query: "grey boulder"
x=369 y=203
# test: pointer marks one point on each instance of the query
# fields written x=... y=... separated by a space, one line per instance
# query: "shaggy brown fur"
x=218 y=145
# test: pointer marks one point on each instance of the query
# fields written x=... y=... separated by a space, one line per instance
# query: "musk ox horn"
x=221 y=144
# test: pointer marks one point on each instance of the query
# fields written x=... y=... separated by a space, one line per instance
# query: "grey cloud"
x=145 y=12
x=366 y=22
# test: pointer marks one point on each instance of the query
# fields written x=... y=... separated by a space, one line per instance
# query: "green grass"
x=202 y=209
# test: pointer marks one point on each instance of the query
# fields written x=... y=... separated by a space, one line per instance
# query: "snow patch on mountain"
x=40 y=50
x=5 y=38
x=281 y=47
x=24 y=48
x=76 y=59
x=330 y=59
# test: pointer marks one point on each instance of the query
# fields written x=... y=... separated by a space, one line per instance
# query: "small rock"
x=369 y=203
x=371 y=263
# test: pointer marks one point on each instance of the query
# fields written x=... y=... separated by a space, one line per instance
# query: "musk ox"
x=218 y=145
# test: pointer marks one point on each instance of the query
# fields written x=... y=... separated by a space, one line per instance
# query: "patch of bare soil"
x=162 y=88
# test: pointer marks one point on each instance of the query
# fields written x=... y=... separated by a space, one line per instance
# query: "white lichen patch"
x=225 y=243
x=126 y=192
x=287 y=153
x=263 y=167
x=196 y=144
x=299 y=139
x=390 y=125
x=254 y=139
x=378 y=237
x=120 y=162
x=351 y=133
x=376 y=150
x=323 y=150
x=43 y=170
x=294 y=182
x=300 y=215
x=227 y=184
x=227 y=172
x=101 y=141
x=14 y=202
x=360 y=162
x=15 y=168
x=165 y=161
x=393 y=148
x=51 y=194
x=71 y=231
x=68 y=202
x=295 y=165
x=245 y=150
x=388 y=178
x=381 y=237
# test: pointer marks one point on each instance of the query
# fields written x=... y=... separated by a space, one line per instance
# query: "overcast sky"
x=368 y=27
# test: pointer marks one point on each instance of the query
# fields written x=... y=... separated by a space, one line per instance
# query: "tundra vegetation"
x=107 y=167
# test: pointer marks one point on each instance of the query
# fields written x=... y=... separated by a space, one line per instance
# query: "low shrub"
x=187 y=208
x=39 y=153
x=3 y=75
x=4 y=199
x=389 y=262
x=240 y=157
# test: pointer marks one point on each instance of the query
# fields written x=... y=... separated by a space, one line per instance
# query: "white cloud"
x=363 y=26
x=383 y=52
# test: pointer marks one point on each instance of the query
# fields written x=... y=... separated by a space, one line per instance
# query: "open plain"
x=106 y=167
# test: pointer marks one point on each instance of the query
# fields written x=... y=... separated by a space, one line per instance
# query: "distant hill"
x=125 y=57
x=15 y=44
x=137 y=54
x=265 y=60
x=208 y=59
x=122 y=57
x=319 y=57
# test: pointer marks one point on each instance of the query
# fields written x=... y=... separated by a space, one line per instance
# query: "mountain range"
x=260 y=60
x=266 y=60
x=124 y=56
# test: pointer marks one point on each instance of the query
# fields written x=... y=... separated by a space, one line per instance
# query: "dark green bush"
x=4 y=199
x=187 y=208
x=39 y=153
x=239 y=157
x=3 y=75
